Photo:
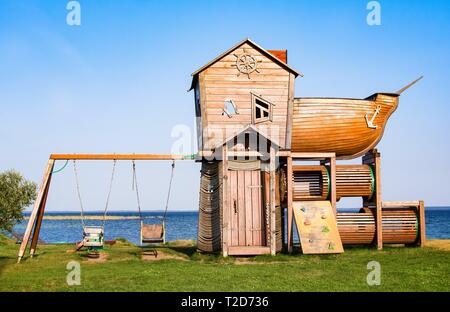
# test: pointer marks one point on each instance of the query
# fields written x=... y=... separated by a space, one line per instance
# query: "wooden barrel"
x=354 y=181
x=400 y=226
x=312 y=182
x=209 y=231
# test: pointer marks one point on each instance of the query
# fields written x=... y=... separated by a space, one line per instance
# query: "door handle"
x=235 y=206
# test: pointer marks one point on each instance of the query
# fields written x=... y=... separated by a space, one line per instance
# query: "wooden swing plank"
x=120 y=157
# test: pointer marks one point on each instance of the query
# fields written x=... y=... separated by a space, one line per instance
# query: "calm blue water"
x=180 y=225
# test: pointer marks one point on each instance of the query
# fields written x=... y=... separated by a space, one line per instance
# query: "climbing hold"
x=325 y=229
x=330 y=246
x=303 y=209
x=307 y=222
x=323 y=216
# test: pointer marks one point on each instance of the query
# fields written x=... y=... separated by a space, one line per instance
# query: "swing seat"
x=152 y=233
x=93 y=236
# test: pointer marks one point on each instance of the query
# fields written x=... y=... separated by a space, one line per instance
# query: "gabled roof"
x=247 y=129
x=257 y=47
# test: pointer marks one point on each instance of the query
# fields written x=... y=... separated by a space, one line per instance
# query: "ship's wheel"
x=246 y=64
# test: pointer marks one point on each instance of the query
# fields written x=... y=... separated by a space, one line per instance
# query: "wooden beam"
x=226 y=205
x=333 y=183
x=290 y=112
x=244 y=154
x=400 y=204
x=289 y=178
x=378 y=201
x=40 y=215
x=37 y=204
x=248 y=250
x=422 y=238
x=313 y=156
x=283 y=153
x=121 y=157
x=272 y=167
x=208 y=154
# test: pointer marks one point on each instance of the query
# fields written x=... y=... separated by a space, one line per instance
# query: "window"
x=229 y=108
x=261 y=109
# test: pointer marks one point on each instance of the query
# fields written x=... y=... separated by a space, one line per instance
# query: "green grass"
x=403 y=269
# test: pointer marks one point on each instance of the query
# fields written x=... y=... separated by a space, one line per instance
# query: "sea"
x=180 y=225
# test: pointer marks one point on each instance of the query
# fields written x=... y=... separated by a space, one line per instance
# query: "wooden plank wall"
x=221 y=82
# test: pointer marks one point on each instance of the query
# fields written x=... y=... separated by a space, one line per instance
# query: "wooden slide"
x=317 y=227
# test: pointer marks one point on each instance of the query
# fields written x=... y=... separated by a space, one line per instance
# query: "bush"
x=16 y=193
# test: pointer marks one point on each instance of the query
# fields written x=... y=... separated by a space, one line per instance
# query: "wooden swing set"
x=93 y=235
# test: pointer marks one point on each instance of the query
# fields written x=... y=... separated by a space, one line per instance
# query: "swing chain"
x=170 y=188
x=75 y=171
x=109 y=192
x=134 y=186
x=79 y=193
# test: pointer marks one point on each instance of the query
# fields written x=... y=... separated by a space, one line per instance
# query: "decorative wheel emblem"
x=246 y=64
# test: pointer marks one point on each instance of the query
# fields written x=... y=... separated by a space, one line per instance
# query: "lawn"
x=125 y=267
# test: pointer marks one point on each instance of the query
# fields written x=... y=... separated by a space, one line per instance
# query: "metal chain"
x=135 y=186
x=109 y=192
x=168 y=193
x=83 y=223
x=79 y=193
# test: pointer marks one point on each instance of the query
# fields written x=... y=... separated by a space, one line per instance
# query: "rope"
x=168 y=192
x=62 y=168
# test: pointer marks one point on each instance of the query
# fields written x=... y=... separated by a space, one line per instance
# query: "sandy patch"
x=101 y=257
x=244 y=261
x=149 y=256
x=442 y=244
x=182 y=243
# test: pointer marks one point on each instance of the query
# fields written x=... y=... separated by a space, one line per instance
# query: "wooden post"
x=372 y=158
x=37 y=204
x=289 y=205
x=226 y=203
x=40 y=215
x=333 y=183
x=272 y=167
x=378 y=203
x=422 y=238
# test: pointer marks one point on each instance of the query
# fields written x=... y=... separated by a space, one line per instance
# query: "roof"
x=247 y=129
x=281 y=54
x=263 y=51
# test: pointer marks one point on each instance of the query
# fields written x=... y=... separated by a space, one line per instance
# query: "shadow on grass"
x=3 y=262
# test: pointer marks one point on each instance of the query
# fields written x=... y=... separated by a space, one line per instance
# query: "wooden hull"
x=347 y=127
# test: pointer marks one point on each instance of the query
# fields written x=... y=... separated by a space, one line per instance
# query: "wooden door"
x=246 y=213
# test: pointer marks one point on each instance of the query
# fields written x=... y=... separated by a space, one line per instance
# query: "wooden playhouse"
x=269 y=157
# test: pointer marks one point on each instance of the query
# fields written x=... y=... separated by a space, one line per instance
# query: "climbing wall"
x=317 y=227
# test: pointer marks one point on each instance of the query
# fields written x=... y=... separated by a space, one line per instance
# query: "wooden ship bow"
x=348 y=127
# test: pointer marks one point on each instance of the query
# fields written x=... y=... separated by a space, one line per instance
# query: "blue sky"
x=117 y=83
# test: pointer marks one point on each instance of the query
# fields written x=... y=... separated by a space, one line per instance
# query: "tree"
x=16 y=193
